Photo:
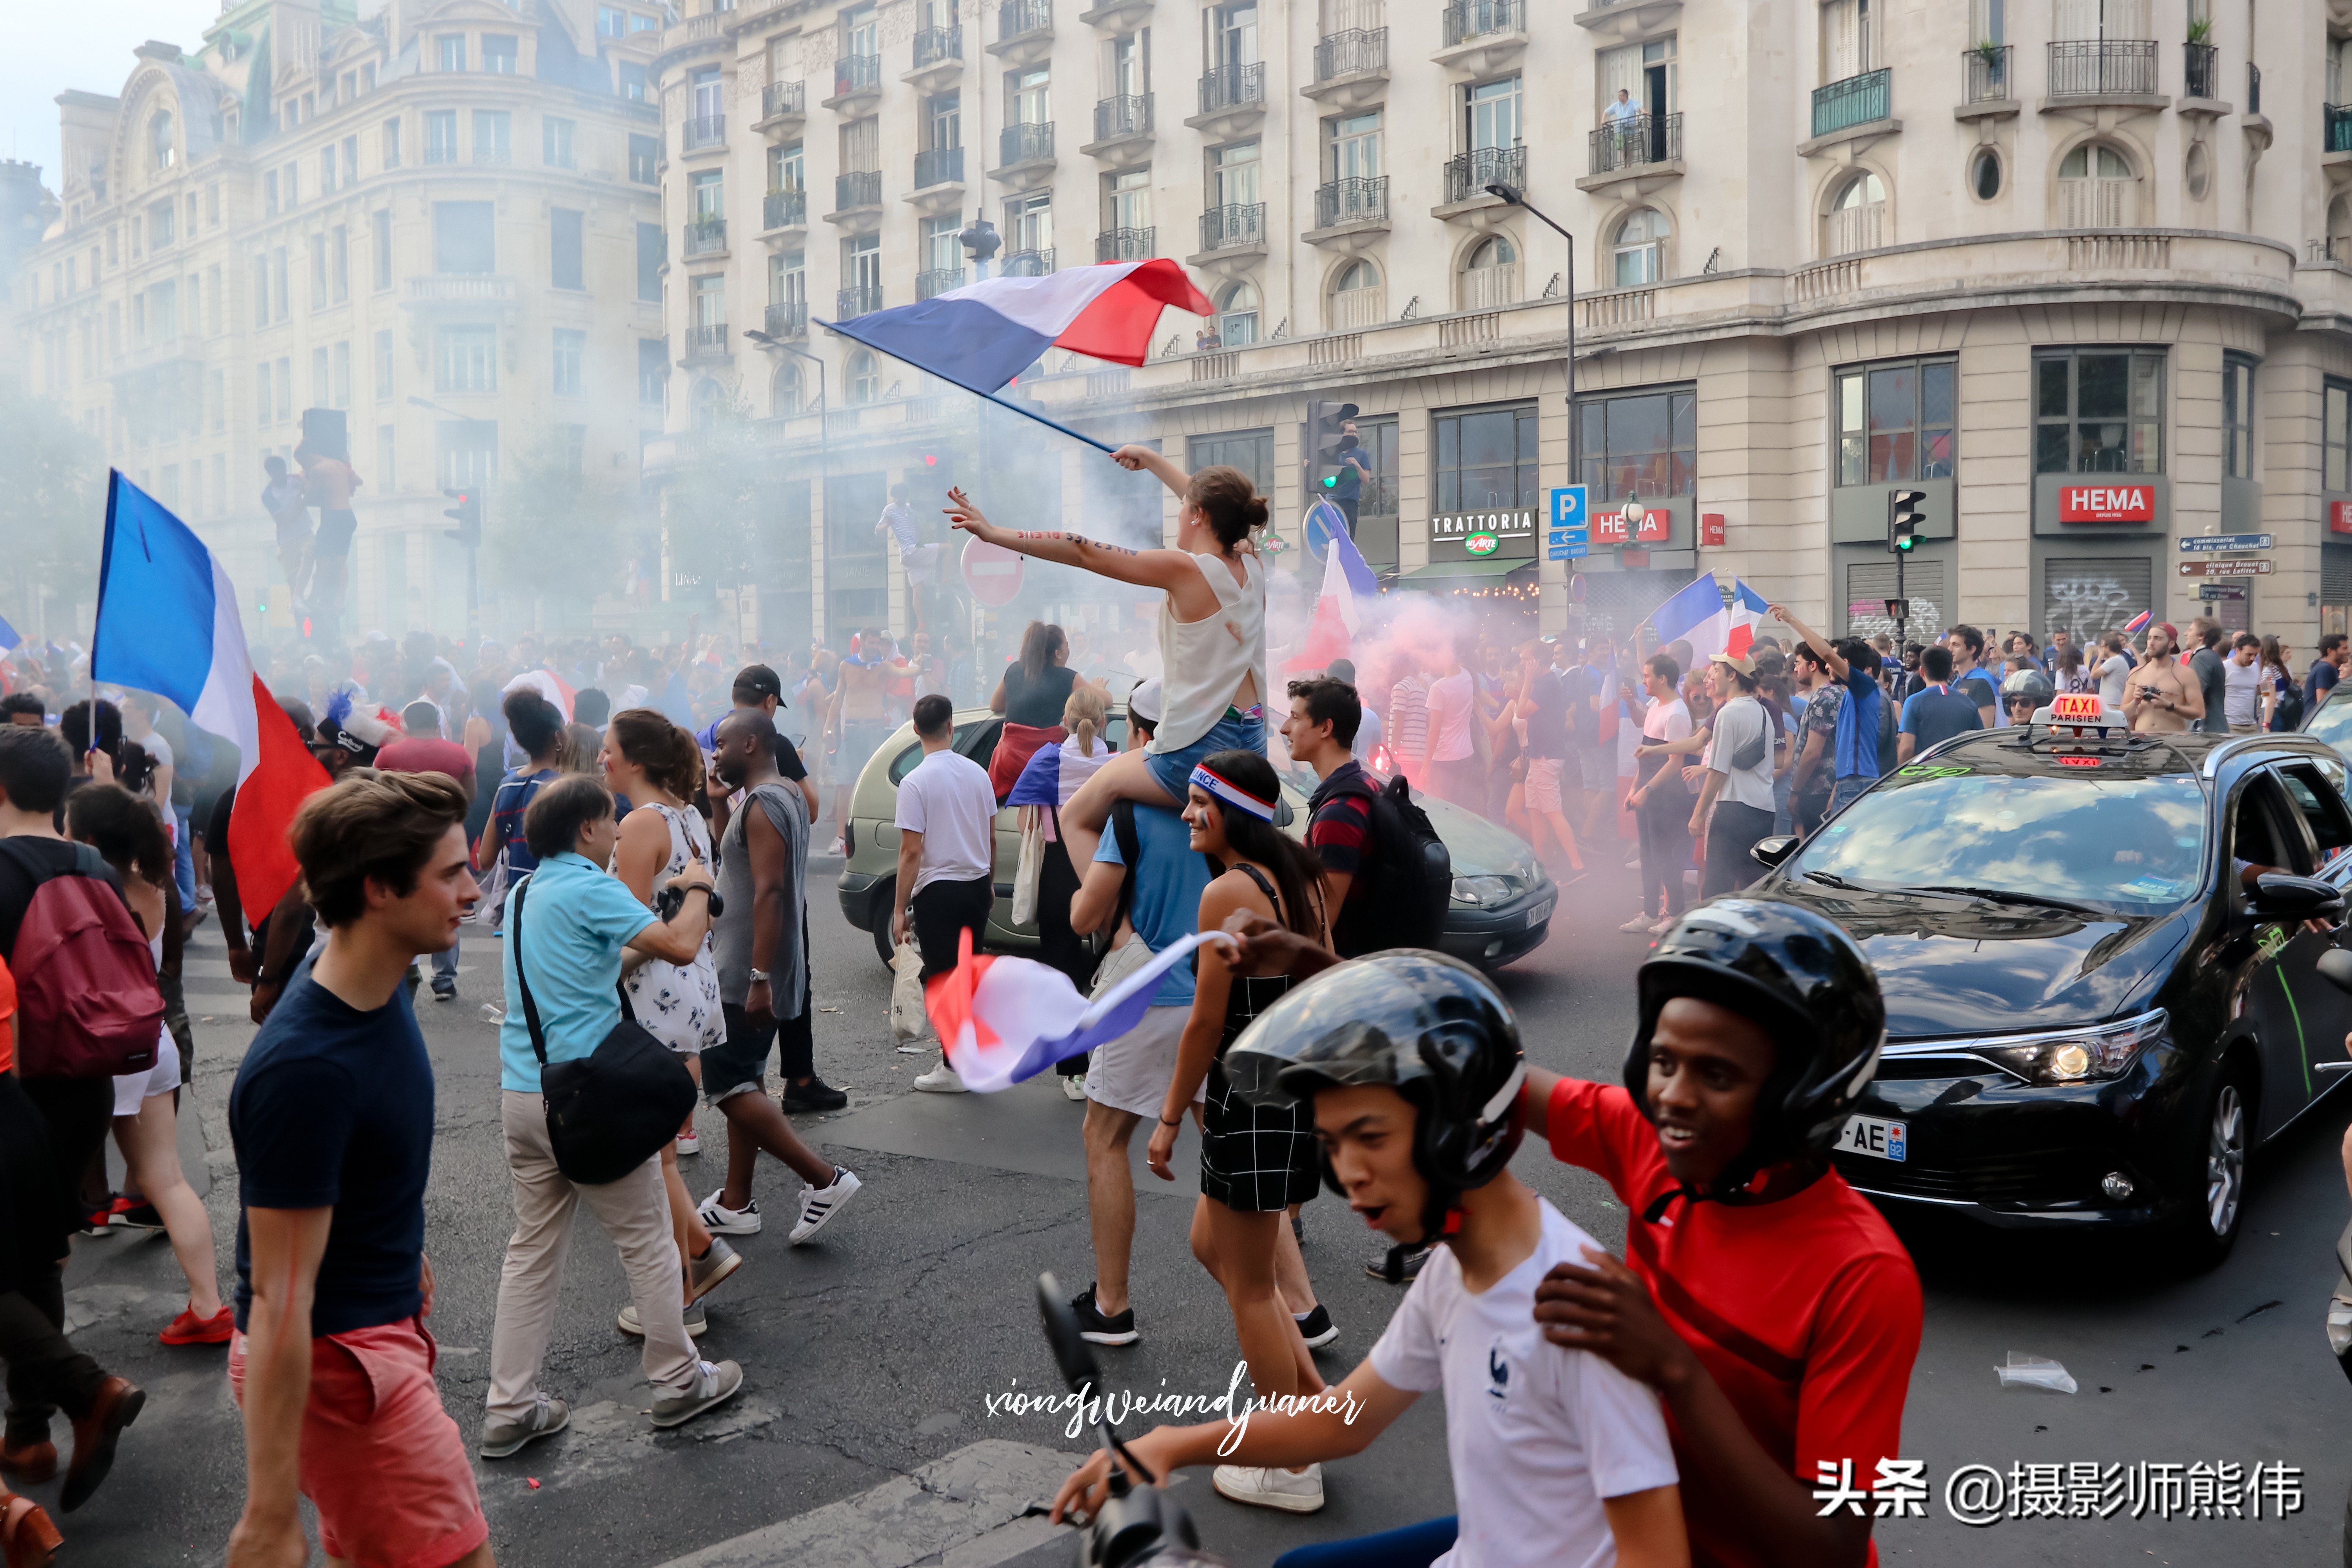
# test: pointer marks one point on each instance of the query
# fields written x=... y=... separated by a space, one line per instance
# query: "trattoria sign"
x=2107 y=503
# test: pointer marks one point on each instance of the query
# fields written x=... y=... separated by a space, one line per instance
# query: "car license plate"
x=1879 y=1139
x=1538 y=915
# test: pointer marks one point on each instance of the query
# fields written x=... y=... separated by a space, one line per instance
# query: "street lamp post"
x=824 y=417
x=1511 y=196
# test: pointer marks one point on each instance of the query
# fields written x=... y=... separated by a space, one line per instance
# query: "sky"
x=84 y=45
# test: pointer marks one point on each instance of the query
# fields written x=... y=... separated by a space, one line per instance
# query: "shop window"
x=1643 y=444
x=1486 y=461
x=2098 y=412
x=1895 y=422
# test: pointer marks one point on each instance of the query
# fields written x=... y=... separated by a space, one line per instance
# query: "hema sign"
x=2107 y=503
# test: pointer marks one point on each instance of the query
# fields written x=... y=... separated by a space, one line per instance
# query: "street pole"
x=1513 y=196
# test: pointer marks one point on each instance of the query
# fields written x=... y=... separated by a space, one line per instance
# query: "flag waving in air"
x=167 y=623
x=1695 y=615
x=1748 y=611
x=1347 y=586
x=1000 y=1020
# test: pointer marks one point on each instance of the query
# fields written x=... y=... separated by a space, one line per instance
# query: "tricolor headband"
x=1232 y=794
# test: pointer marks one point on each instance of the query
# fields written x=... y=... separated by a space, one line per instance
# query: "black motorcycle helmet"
x=1431 y=1027
x=1801 y=977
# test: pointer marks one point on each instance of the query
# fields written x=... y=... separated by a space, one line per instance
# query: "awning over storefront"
x=1489 y=568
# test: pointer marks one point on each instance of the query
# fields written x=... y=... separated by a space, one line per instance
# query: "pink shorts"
x=380 y=1459
x=1543 y=786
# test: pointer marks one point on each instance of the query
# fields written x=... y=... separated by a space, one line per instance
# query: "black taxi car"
x=2098 y=955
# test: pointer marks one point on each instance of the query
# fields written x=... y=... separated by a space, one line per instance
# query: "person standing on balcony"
x=1618 y=118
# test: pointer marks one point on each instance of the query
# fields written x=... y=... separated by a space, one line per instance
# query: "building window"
x=1490 y=116
x=1491 y=276
x=463 y=237
x=1251 y=451
x=327 y=170
x=611 y=21
x=441 y=136
x=2096 y=189
x=1895 y=422
x=710 y=301
x=1638 y=253
x=499 y=53
x=707 y=195
x=162 y=224
x=565 y=247
x=1486 y=459
x=633 y=82
x=645 y=154
x=285 y=379
x=2237 y=417
x=1984 y=175
x=2335 y=434
x=784 y=390
x=159 y=141
x=344 y=373
x=1644 y=444
x=262 y=291
x=453 y=51
x=470 y=452
x=864 y=375
x=649 y=261
x=788 y=279
x=787 y=168
x=382 y=220
x=652 y=370
x=570 y=345
x=392 y=144
x=492 y=130
x=268 y=194
x=1236 y=322
x=642 y=24
x=278 y=283
x=339 y=263
x=1857 y=219
x=469 y=360
x=1357 y=297
x=2098 y=413
x=555 y=143
x=383 y=365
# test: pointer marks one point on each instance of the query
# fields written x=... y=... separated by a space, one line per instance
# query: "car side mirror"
x=1282 y=816
x=1770 y=852
x=2280 y=897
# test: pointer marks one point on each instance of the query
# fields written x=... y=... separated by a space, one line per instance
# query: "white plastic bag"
x=908 y=1020
x=1032 y=868
x=2034 y=1371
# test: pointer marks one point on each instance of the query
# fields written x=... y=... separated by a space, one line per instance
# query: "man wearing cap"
x=1735 y=797
x=2159 y=696
x=758 y=686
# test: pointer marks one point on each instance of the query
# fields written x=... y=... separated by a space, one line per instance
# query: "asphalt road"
x=871 y=1429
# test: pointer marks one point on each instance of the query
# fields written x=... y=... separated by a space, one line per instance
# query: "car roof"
x=2142 y=756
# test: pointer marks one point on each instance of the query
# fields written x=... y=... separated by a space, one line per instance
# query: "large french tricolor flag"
x=167 y=623
x=983 y=334
x=1347 y=586
x=1001 y=1020
x=1746 y=610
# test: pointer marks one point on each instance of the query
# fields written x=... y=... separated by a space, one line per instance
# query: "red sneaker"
x=187 y=1329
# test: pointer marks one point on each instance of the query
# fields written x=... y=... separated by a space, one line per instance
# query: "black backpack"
x=1408 y=874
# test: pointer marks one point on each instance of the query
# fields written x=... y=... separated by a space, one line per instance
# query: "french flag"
x=1695 y=615
x=1747 y=613
x=545 y=683
x=983 y=334
x=167 y=623
x=1001 y=1020
x=1348 y=584
x=2138 y=623
x=1052 y=774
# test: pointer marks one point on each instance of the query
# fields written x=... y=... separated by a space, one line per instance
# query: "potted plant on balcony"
x=2201 y=29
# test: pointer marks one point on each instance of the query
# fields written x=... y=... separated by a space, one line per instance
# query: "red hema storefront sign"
x=2107 y=503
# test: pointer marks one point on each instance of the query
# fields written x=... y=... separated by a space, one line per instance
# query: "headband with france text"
x=1232 y=794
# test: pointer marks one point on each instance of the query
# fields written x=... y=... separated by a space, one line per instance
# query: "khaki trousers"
x=634 y=1210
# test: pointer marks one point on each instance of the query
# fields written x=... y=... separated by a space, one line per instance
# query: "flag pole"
x=983 y=397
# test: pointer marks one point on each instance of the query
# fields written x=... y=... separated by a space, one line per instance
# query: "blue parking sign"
x=1567 y=507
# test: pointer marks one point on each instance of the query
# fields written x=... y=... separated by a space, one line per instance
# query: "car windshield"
x=2333 y=723
x=2123 y=841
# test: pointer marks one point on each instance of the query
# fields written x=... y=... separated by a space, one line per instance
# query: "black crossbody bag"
x=611 y=1111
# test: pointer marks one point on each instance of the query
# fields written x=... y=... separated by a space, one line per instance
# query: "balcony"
x=857 y=200
x=782 y=102
x=2253 y=87
x=939 y=179
x=1350 y=214
x=861 y=301
x=706 y=237
x=1843 y=106
x=1234 y=234
x=1232 y=97
x=2201 y=71
x=2337 y=126
x=1350 y=67
x=1024 y=31
x=2120 y=71
x=789 y=320
x=937 y=280
x=1468 y=176
x=1639 y=148
x=938 y=58
x=1482 y=36
x=709 y=340
x=1987 y=82
x=1027 y=263
x=702 y=133
x=440 y=153
x=784 y=209
x=1126 y=245
x=1024 y=154
x=856 y=80
x=461 y=288
x=495 y=155
x=1122 y=130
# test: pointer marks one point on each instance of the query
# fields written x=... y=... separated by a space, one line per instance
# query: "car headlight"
x=1483 y=890
x=2076 y=1056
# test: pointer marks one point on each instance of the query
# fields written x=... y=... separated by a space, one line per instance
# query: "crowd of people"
x=645 y=884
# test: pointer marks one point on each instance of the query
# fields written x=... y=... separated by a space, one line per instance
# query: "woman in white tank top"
x=1211 y=632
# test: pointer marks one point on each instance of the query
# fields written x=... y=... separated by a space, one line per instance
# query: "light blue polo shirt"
x=578 y=920
x=1166 y=907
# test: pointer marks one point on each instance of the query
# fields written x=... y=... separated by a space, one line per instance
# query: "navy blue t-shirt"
x=332 y=1108
x=1933 y=714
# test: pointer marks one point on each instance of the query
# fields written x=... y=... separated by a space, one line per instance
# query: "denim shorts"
x=1234 y=733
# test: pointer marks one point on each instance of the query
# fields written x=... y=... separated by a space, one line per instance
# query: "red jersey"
x=1806 y=1311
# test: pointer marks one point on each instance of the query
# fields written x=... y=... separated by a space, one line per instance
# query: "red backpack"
x=88 y=1005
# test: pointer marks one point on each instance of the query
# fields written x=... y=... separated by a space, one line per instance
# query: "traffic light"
x=1905 y=520
x=1326 y=440
x=467 y=515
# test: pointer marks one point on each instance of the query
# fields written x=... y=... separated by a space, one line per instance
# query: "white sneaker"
x=942 y=1080
x=1075 y=1088
x=819 y=1205
x=689 y=1144
x=1665 y=923
x=1639 y=922
x=719 y=1220
x=1272 y=1487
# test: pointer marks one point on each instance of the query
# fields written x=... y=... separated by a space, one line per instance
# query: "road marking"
x=963 y=1510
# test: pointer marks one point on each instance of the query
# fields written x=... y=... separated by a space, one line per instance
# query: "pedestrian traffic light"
x=1328 y=439
x=467 y=515
x=1903 y=519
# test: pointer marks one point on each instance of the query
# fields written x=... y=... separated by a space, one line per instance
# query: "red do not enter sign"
x=991 y=571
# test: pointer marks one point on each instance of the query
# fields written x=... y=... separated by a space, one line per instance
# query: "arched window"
x=784 y=390
x=1639 y=251
x=1359 y=298
x=1858 y=217
x=864 y=378
x=706 y=398
x=1236 y=319
x=2340 y=230
x=1491 y=276
x=159 y=141
x=2096 y=189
